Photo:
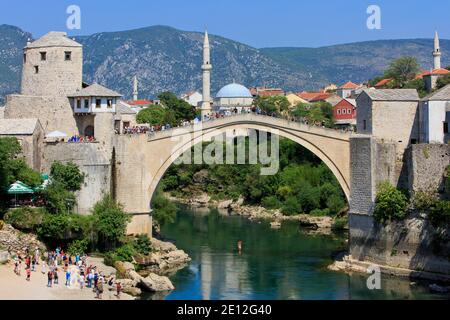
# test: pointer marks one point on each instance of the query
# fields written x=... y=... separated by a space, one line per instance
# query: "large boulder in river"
x=155 y=283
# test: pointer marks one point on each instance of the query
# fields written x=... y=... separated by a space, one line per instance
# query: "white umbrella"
x=56 y=134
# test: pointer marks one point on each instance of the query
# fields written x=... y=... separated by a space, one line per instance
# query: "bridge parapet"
x=251 y=118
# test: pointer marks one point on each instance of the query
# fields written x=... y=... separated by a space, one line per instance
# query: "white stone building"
x=194 y=98
x=390 y=115
x=435 y=117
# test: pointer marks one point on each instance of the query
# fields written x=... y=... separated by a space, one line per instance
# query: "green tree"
x=68 y=175
x=443 y=81
x=301 y=110
x=164 y=211
x=110 y=222
x=419 y=85
x=403 y=70
x=13 y=166
x=390 y=203
x=58 y=199
x=153 y=115
x=182 y=109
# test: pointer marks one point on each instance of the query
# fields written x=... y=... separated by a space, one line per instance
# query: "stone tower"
x=135 y=88
x=436 y=52
x=52 y=66
x=206 y=67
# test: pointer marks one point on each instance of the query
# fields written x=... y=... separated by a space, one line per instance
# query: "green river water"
x=274 y=264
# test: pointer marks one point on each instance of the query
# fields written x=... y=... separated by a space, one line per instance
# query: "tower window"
x=24 y=58
x=68 y=55
x=98 y=103
x=445 y=127
x=109 y=103
x=86 y=103
x=364 y=125
x=36 y=69
x=78 y=104
x=43 y=56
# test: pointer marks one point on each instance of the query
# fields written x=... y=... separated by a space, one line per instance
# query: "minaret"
x=436 y=52
x=206 y=67
x=135 y=88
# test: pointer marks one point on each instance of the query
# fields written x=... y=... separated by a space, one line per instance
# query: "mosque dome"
x=234 y=90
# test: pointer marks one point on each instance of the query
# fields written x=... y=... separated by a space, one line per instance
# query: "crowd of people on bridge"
x=81 y=139
x=76 y=272
x=151 y=130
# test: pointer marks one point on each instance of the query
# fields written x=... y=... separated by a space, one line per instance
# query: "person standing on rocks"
x=118 y=289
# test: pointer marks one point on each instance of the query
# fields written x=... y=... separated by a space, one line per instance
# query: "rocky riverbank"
x=347 y=264
x=150 y=273
x=312 y=224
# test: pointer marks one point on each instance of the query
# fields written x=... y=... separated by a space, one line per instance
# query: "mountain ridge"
x=166 y=58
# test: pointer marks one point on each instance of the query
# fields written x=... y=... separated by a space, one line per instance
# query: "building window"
x=349 y=111
x=24 y=58
x=86 y=103
x=338 y=111
x=78 y=104
x=109 y=103
x=98 y=103
x=43 y=56
x=445 y=127
x=68 y=55
x=344 y=111
x=364 y=125
x=36 y=69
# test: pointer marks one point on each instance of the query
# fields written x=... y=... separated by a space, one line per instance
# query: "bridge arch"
x=141 y=161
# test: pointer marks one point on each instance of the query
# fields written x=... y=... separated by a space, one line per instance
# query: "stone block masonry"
x=426 y=165
x=93 y=160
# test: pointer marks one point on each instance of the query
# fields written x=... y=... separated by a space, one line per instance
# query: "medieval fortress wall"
x=408 y=244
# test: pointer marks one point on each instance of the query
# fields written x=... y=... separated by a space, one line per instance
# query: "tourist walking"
x=99 y=288
x=37 y=255
x=67 y=278
x=44 y=267
x=55 y=276
x=28 y=271
x=33 y=264
x=49 y=279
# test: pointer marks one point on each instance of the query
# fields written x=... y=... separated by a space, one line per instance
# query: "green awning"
x=19 y=188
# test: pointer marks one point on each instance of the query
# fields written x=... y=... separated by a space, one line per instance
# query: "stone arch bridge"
x=140 y=161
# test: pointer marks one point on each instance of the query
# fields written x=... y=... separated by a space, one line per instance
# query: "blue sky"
x=260 y=23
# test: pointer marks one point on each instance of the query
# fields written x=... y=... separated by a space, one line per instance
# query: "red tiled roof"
x=349 y=85
x=434 y=72
x=139 y=102
x=270 y=93
x=308 y=95
x=440 y=71
x=321 y=97
x=383 y=82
